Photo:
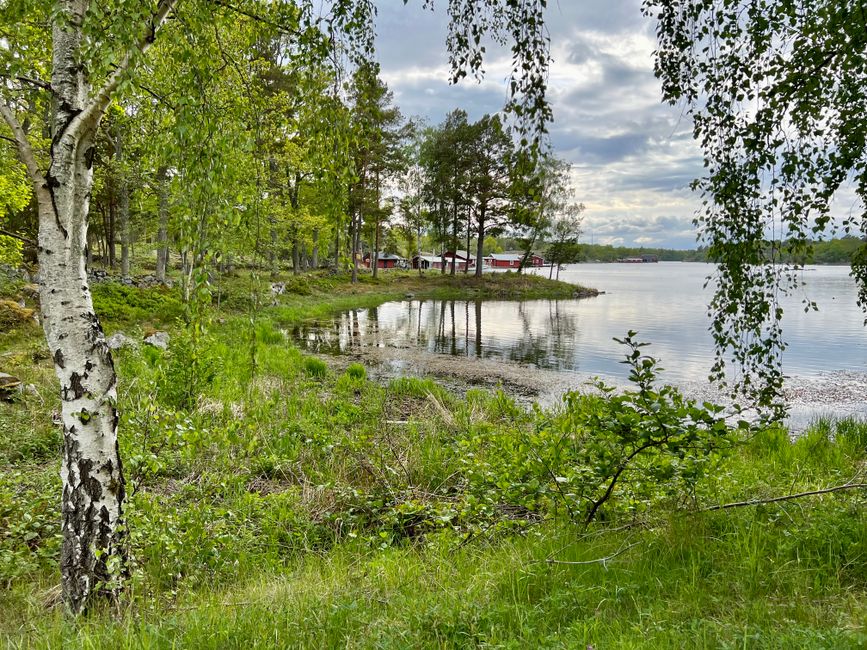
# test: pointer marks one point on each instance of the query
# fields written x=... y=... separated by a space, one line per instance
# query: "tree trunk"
x=91 y=556
x=109 y=235
x=123 y=203
x=418 y=243
x=454 y=238
x=480 y=246
x=375 y=256
x=315 y=261
x=91 y=471
x=467 y=261
x=337 y=244
x=296 y=262
x=162 y=232
x=272 y=248
x=274 y=188
x=123 y=208
x=356 y=223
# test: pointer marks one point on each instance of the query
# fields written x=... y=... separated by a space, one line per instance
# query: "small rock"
x=119 y=340
x=98 y=275
x=278 y=288
x=9 y=385
x=158 y=340
x=409 y=296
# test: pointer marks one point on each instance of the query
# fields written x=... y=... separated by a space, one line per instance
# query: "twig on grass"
x=599 y=560
x=787 y=497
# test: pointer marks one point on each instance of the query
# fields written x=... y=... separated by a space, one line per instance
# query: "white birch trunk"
x=91 y=472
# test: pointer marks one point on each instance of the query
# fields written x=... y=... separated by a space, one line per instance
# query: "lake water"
x=557 y=345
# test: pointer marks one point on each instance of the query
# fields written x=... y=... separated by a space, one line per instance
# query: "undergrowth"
x=275 y=501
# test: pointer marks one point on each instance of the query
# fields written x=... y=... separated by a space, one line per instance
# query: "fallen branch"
x=600 y=560
x=787 y=497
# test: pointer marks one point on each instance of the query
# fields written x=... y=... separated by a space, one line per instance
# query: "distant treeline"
x=833 y=251
x=600 y=253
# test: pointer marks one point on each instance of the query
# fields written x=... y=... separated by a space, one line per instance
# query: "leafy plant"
x=187 y=369
x=636 y=444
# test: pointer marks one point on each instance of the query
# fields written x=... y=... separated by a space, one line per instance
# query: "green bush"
x=601 y=454
x=186 y=370
x=29 y=525
x=120 y=303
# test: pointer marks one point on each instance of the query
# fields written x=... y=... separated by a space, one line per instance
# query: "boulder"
x=28 y=389
x=158 y=340
x=9 y=386
x=12 y=273
x=119 y=340
x=98 y=275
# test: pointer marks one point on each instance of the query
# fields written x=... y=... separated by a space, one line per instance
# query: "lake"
x=548 y=346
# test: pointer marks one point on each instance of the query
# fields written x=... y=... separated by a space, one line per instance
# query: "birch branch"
x=787 y=497
x=97 y=106
x=18 y=237
x=25 y=151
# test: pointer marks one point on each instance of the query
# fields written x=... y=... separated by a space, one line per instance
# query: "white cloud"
x=633 y=156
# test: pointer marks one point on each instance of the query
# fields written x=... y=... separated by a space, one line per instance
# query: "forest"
x=182 y=185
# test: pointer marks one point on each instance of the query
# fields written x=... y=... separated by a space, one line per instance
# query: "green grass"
x=289 y=505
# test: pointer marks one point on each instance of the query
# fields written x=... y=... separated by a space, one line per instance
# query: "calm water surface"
x=546 y=347
x=666 y=303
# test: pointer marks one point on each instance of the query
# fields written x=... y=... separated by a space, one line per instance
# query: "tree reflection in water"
x=543 y=333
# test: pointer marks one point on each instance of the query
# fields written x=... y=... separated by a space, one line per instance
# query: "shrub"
x=118 y=302
x=186 y=370
x=602 y=453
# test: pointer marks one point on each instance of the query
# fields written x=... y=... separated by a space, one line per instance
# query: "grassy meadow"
x=277 y=502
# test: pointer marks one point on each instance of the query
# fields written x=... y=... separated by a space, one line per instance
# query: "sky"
x=633 y=157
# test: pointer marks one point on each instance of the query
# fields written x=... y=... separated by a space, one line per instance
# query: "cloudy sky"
x=632 y=156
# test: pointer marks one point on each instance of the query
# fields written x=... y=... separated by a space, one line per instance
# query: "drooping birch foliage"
x=777 y=91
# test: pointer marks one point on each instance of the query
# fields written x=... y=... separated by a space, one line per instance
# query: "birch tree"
x=93 y=483
x=91 y=52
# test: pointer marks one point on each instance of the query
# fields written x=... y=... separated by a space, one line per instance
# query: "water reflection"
x=543 y=333
x=665 y=302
